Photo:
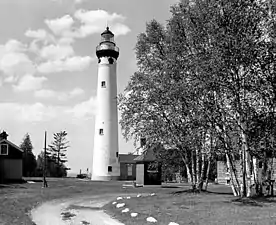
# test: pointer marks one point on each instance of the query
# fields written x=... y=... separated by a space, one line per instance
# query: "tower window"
x=109 y=168
x=117 y=154
x=101 y=131
x=103 y=84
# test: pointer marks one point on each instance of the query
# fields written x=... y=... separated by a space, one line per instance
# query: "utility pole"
x=45 y=184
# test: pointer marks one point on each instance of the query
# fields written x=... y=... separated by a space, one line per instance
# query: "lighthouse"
x=105 y=152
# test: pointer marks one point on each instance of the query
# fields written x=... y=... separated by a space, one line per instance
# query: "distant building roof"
x=148 y=155
x=127 y=158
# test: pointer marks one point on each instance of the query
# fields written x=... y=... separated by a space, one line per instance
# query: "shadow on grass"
x=12 y=186
x=191 y=191
x=170 y=187
x=265 y=199
x=186 y=191
x=258 y=201
x=218 y=192
x=246 y=202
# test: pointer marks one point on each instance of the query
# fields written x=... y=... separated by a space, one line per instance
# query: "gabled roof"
x=127 y=158
x=10 y=143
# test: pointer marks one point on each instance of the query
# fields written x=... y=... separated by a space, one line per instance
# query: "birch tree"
x=211 y=68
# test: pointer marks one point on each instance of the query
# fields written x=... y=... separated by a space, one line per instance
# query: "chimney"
x=3 y=135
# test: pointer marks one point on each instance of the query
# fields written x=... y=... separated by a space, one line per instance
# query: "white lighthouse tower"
x=105 y=152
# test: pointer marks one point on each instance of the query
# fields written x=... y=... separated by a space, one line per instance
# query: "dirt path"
x=82 y=210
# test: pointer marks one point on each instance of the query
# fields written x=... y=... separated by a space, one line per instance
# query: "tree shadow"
x=170 y=187
x=12 y=186
x=186 y=191
x=217 y=192
x=265 y=199
x=203 y=192
x=246 y=202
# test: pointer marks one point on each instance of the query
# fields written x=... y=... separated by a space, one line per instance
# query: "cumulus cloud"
x=71 y=64
x=93 y=16
x=76 y=92
x=15 y=46
x=80 y=1
x=29 y=83
x=45 y=93
x=62 y=96
x=120 y=29
x=91 y=22
x=40 y=38
x=60 y=25
x=66 y=41
x=86 y=109
x=14 y=62
x=27 y=112
x=56 y=52
x=38 y=112
x=10 y=79
x=53 y=48
x=37 y=34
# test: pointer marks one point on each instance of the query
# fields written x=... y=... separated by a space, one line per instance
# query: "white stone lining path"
x=134 y=214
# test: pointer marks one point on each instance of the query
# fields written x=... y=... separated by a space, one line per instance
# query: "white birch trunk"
x=247 y=161
x=207 y=173
x=193 y=171
x=232 y=181
x=198 y=178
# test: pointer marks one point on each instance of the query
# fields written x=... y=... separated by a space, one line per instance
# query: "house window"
x=103 y=84
x=4 y=149
x=109 y=168
x=101 y=131
x=117 y=154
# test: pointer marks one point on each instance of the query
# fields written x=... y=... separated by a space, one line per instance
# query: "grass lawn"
x=216 y=207
x=169 y=205
x=16 y=201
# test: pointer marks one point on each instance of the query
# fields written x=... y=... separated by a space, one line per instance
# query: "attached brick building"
x=127 y=166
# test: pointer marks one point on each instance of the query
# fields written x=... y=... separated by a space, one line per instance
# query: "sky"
x=48 y=66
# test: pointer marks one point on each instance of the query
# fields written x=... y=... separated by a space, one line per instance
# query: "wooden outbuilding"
x=11 y=160
x=148 y=169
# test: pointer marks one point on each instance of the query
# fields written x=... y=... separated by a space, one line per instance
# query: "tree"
x=201 y=80
x=29 y=160
x=239 y=37
x=171 y=119
x=57 y=151
x=52 y=168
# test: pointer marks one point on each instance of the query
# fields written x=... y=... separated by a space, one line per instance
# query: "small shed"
x=11 y=158
x=127 y=166
x=148 y=169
